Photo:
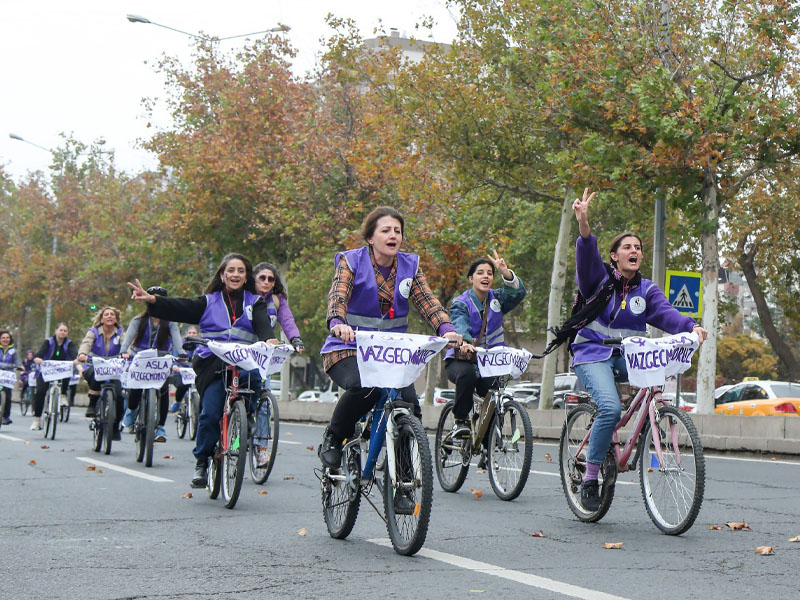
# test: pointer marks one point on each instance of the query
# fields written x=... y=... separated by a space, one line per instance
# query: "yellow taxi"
x=774 y=398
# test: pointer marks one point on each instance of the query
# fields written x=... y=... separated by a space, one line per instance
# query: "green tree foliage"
x=741 y=356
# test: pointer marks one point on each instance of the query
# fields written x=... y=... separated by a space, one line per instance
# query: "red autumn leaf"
x=765 y=550
x=743 y=526
x=309 y=447
x=714 y=527
x=262 y=492
x=187 y=495
x=288 y=477
x=90 y=468
x=613 y=545
x=44 y=447
x=33 y=462
x=548 y=458
x=539 y=533
x=477 y=493
x=168 y=457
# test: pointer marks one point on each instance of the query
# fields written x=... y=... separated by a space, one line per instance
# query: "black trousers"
x=7 y=411
x=468 y=381
x=94 y=392
x=41 y=392
x=357 y=401
x=135 y=396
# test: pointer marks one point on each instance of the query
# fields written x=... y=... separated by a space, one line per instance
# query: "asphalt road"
x=68 y=532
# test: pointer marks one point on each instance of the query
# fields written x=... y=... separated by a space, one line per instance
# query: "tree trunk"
x=780 y=347
x=707 y=365
x=557 y=283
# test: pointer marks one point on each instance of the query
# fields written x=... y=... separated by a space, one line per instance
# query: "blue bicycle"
x=401 y=470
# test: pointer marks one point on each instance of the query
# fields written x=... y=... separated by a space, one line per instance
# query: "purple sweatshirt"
x=644 y=305
x=285 y=316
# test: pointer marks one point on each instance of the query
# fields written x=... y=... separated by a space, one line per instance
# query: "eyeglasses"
x=270 y=278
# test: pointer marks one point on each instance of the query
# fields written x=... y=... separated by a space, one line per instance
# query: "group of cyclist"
x=372 y=289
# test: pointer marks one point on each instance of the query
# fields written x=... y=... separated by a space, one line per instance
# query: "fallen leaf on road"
x=548 y=458
x=33 y=463
x=765 y=550
x=44 y=447
x=795 y=539
x=90 y=468
x=649 y=470
x=98 y=470
x=262 y=492
x=187 y=495
x=739 y=526
x=613 y=545
x=477 y=493
x=279 y=452
x=167 y=457
x=302 y=532
x=287 y=478
x=714 y=527
x=481 y=471
x=539 y=533
x=773 y=458
x=27 y=443
x=309 y=447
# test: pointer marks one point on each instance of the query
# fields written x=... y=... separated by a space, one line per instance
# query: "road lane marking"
x=124 y=470
x=756 y=460
x=280 y=441
x=11 y=438
x=528 y=579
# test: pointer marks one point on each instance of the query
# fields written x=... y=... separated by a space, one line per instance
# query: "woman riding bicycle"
x=620 y=303
x=371 y=289
x=9 y=361
x=103 y=339
x=28 y=365
x=145 y=332
x=229 y=311
x=180 y=387
x=57 y=347
x=270 y=287
x=477 y=326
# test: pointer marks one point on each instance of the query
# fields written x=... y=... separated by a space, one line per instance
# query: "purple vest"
x=148 y=339
x=51 y=350
x=614 y=321
x=494 y=322
x=7 y=361
x=272 y=311
x=99 y=345
x=215 y=324
x=364 y=309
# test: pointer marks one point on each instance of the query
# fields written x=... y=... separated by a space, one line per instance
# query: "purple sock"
x=591 y=472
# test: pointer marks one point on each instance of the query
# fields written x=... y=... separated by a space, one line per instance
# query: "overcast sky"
x=80 y=67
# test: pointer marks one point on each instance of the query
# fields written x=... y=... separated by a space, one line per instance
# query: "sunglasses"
x=270 y=278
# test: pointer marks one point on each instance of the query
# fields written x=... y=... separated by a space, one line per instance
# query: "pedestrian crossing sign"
x=685 y=292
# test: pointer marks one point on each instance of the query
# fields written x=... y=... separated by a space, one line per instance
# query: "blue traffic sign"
x=685 y=292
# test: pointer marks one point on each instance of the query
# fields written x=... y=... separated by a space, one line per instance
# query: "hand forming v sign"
x=139 y=293
x=581 y=207
x=500 y=264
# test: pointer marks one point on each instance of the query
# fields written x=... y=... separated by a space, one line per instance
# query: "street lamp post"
x=146 y=21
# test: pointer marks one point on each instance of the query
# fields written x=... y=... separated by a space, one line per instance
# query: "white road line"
x=124 y=470
x=528 y=579
x=11 y=438
x=756 y=460
x=280 y=441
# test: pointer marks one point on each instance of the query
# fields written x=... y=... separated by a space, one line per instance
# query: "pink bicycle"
x=667 y=450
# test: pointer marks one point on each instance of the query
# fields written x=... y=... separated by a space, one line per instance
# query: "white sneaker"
x=63 y=401
x=262 y=457
x=37 y=424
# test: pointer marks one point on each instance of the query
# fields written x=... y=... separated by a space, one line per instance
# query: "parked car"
x=721 y=390
x=330 y=393
x=687 y=400
x=309 y=396
x=780 y=398
x=568 y=389
x=441 y=396
x=526 y=393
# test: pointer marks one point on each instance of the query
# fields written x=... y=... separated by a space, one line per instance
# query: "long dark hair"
x=162 y=339
x=2 y=331
x=216 y=284
x=277 y=289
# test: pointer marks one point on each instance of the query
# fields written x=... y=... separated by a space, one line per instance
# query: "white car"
x=309 y=396
x=526 y=393
x=441 y=396
x=687 y=402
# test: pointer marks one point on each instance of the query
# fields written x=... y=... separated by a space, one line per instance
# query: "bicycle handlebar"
x=612 y=341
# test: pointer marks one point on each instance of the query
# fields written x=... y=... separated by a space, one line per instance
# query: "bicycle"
x=500 y=431
x=390 y=440
x=146 y=371
x=108 y=372
x=64 y=406
x=26 y=398
x=667 y=445
x=53 y=371
x=189 y=410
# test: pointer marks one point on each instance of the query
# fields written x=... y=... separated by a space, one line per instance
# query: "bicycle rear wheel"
x=109 y=416
x=510 y=450
x=452 y=456
x=341 y=494
x=672 y=491
x=139 y=430
x=414 y=476
x=25 y=401
x=194 y=412
x=572 y=464
x=2 y=406
x=149 y=402
x=234 y=459
x=260 y=475
x=64 y=410
x=214 y=474
x=51 y=402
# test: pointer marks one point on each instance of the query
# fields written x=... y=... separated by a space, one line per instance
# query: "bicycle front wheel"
x=64 y=412
x=235 y=456
x=149 y=401
x=194 y=412
x=672 y=488
x=53 y=396
x=572 y=464
x=408 y=503
x=510 y=450
x=452 y=455
x=341 y=495
x=25 y=402
x=181 y=420
x=261 y=474
x=109 y=417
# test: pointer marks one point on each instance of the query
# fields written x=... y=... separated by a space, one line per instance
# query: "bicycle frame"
x=643 y=405
x=232 y=394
